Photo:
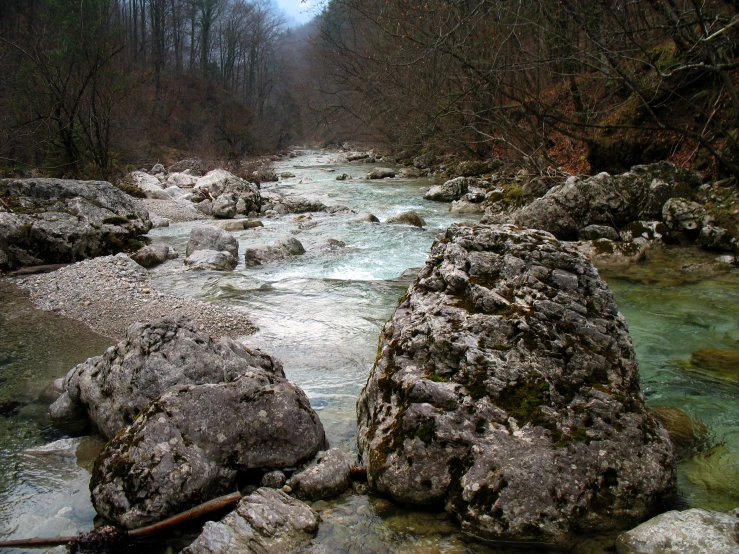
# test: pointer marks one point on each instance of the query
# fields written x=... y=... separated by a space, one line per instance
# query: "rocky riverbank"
x=111 y=292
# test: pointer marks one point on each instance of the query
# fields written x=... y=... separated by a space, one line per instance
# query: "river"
x=321 y=314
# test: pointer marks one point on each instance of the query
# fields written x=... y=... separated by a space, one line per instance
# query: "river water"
x=321 y=314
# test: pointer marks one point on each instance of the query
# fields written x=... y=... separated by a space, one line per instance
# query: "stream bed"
x=321 y=314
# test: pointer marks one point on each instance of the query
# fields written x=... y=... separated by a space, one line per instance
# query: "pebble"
x=111 y=292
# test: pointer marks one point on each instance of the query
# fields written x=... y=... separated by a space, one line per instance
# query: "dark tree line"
x=91 y=84
x=626 y=79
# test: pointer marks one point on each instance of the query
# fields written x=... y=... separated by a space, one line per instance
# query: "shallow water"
x=321 y=314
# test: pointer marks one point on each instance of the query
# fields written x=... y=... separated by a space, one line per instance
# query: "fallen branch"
x=109 y=535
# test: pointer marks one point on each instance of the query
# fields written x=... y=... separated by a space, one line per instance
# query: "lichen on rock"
x=507 y=390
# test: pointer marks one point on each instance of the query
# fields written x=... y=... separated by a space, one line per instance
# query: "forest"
x=567 y=85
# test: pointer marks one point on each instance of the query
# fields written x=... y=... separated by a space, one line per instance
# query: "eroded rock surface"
x=113 y=388
x=265 y=521
x=690 y=532
x=49 y=221
x=639 y=194
x=507 y=390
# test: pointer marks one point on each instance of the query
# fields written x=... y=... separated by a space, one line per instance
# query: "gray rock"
x=381 y=173
x=451 y=190
x=275 y=202
x=680 y=214
x=204 y=206
x=602 y=200
x=252 y=223
x=224 y=206
x=355 y=156
x=343 y=177
x=534 y=188
x=690 y=532
x=192 y=166
x=412 y=173
x=273 y=480
x=713 y=237
x=466 y=207
x=265 y=521
x=153 y=254
x=593 y=232
x=157 y=168
x=278 y=250
x=211 y=259
x=407 y=218
x=157 y=221
x=230 y=224
x=149 y=184
x=287 y=175
x=366 y=218
x=182 y=180
x=190 y=444
x=219 y=182
x=113 y=388
x=727 y=259
x=51 y=221
x=327 y=476
x=206 y=237
x=507 y=390
x=649 y=231
x=608 y=253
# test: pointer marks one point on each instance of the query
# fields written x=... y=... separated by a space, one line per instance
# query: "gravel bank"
x=112 y=292
x=171 y=209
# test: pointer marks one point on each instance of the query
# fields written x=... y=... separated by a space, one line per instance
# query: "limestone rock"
x=190 y=444
x=713 y=237
x=680 y=214
x=594 y=232
x=151 y=186
x=466 y=207
x=219 y=182
x=279 y=204
x=639 y=194
x=50 y=221
x=157 y=168
x=224 y=207
x=608 y=253
x=265 y=521
x=407 y=218
x=327 y=476
x=158 y=221
x=451 y=190
x=507 y=390
x=211 y=259
x=381 y=173
x=278 y=250
x=113 y=388
x=192 y=166
x=690 y=532
x=207 y=237
x=424 y=161
x=153 y=254
x=650 y=231
x=182 y=180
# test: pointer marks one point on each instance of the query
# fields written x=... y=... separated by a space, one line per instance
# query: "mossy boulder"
x=506 y=390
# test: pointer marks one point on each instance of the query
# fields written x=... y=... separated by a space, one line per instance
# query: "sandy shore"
x=112 y=292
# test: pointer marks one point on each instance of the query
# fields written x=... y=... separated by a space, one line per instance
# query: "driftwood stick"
x=209 y=507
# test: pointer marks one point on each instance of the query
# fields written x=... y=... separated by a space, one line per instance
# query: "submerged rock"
x=275 y=203
x=407 y=218
x=607 y=253
x=211 y=259
x=278 y=250
x=51 y=221
x=719 y=362
x=265 y=521
x=113 y=388
x=327 y=476
x=690 y=532
x=687 y=434
x=507 y=390
x=366 y=218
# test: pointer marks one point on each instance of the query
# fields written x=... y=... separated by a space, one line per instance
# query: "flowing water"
x=321 y=314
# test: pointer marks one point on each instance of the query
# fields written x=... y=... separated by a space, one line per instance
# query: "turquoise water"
x=321 y=314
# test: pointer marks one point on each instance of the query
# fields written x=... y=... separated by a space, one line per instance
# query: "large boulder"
x=278 y=250
x=49 y=221
x=603 y=199
x=407 y=218
x=265 y=521
x=192 y=443
x=220 y=182
x=680 y=214
x=112 y=389
x=690 y=532
x=150 y=185
x=207 y=237
x=451 y=190
x=507 y=390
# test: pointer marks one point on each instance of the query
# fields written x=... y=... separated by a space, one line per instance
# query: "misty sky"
x=299 y=11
